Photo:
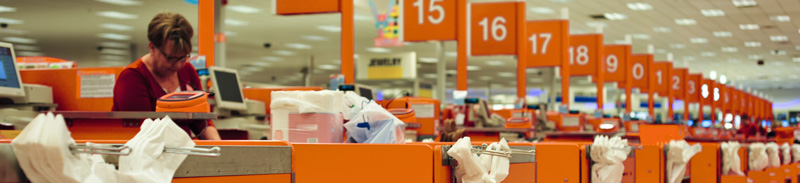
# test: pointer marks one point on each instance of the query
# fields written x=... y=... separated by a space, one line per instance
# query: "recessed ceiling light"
x=749 y=26
x=330 y=28
x=378 y=50
x=113 y=36
x=698 y=40
x=118 y=27
x=327 y=67
x=640 y=6
x=662 y=29
x=242 y=9
x=677 y=46
x=298 y=46
x=235 y=22
x=7 y=9
x=752 y=44
x=315 y=38
x=722 y=34
x=640 y=36
x=26 y=47
x=506 y=74
x=541 y=10
x=428 y=60
x=755 y=57
x=122 y=2
x=796 y=59
x=615 y=16
x=261 y=64
x=29 y=53
x=272 y=58
x=712 y=12
x=778 y=52
x=778 y=38
x=495 y=63
x=708 y=54
x=19 y=40
x=730 y=49
x=595 y=24
x=117 y=15
x=780 y=18
x=744 y=3
x=473 y=68
x=112 y=51
x=685 y=21
x=283 y=52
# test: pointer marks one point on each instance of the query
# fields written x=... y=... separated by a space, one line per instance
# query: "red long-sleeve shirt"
x=137 y=90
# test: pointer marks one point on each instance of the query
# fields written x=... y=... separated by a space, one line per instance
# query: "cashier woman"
x=164 y=70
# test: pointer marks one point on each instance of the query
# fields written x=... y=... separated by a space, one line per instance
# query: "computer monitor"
x=10 y=82
x=705 y=123
x=365 y=91
x=225 y=82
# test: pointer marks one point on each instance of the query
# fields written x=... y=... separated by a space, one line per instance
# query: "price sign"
x=639 y=72
x=548 y=42
x=679 y=82
x=493 y=28
x=585 y=51
x=616 y=60
x=425 y=20
x=660 y=77
x=693 y=82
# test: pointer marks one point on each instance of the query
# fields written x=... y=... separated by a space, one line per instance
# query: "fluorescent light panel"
x=473 y=68
x=114 y=36
x=712 y=12
x=541 y=10
x=744 y=3
x=118 y=27
x=298 y=46
x=615 y=16
x=708 y=54
x=778 y=38
x=29 y=53
x=677 y=46
x=749 y=26
x=780 y=18
x=235 y=22
x=243 y=9
x=19 y=40
x=640 y=6
x=662 y=29
x=685 y=21
x=427 y=60
x=722 y=34
x=4 y=9
x=378 y=50
x=752 y=44
x=122 y=2
x=755 y=57
x=117 y=15
x=730 y=49
x=26 y=47
x=329 y=28
x=698 y=40
x=315 y=38
x=112 y=51
x=495 y=63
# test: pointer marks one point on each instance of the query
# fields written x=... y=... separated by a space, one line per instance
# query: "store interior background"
x=703 y=35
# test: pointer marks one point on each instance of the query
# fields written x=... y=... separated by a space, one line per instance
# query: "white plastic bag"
x=796 y=152
x=772 y=153
x=678 y=156
x=758 y=158
x=354 y=102
x=730 y=158
x=608 y=155
x=373 y=124
x=469 y=169
x=500 y=164
x=786 y=154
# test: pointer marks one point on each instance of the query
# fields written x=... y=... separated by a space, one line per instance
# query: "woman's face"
x=167 y=61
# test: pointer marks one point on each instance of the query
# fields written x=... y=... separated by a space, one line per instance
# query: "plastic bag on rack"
x=678 y=155
x=373 y=124
x=608 y=155
x=796 y=152
x=786 y=153
x=772 y=154
x=486 y=159
x=469 y=169
x=354 y=104
x=500 y=165
x=730 y=158
x=758 y=158
x=147 y=161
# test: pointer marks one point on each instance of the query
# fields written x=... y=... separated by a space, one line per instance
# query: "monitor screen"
x=690 y=123
x=181 y=96
x=228 y=86
x=365 y=92
x=8 y=72
x=705 y=123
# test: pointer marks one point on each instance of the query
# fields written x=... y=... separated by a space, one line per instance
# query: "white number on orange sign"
x=534 y=42
x=638 y=71
x=433 y=7
x=498 y=27
x=583 y=55
x=612 y=63
x=658 y=74
x=691 y=87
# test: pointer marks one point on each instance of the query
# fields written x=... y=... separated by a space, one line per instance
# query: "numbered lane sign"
x=425 y=20
x=660 y=77
x=548 y=42
x=679 y=82
x=294 y=7
x=616 y=60
x=735 y=101
x=584 y=52
x=639 y=72
x=706 y=91
x=693 y=82
x=726 y=98
x=716 y=94
x=493 y=28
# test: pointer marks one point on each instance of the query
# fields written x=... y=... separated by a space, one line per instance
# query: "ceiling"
x=71 y=30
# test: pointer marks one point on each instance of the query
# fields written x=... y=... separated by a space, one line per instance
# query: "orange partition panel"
x=290 y=7
x=650 y=163
x=240 y=178
x=387 y=163
x=775 y=174
x=704 y=165
x=557 y=162
x=66 y=87
x=518 y=172
x=265 y=94
x=758 y=177
x=733 y=179
x=651 y=134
